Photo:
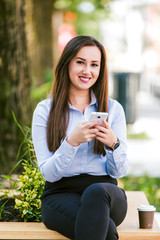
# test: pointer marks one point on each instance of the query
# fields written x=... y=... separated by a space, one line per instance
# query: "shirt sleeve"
x=117 y=162
x=51 y=164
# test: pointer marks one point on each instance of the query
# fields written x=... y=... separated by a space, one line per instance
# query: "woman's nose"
x=86 y=69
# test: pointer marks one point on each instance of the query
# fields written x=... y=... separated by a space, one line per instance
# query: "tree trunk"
x=57 y=20
x=39 y=38
x=14 y=80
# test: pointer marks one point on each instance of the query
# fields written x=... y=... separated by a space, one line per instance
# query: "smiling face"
x=84 y=68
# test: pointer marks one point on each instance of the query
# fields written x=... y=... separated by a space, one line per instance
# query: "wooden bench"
x=128 y=230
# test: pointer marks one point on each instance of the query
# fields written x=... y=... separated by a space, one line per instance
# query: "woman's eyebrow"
x=85 y=59
x=81 y=58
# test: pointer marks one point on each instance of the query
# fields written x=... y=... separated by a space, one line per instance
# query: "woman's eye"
x=79 y=62
x=94 y=65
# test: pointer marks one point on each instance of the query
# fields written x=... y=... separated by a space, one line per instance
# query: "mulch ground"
x=8 y=213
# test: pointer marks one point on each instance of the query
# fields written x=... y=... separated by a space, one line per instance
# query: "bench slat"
x=28 y=230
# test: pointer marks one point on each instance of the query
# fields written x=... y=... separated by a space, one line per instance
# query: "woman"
x=79 y=159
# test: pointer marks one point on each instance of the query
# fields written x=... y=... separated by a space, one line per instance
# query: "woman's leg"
x=59 y=212
x=103 y=206
x=112 y=232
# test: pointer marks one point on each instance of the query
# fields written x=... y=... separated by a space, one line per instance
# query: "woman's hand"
x=105 y=134
x=83 y=132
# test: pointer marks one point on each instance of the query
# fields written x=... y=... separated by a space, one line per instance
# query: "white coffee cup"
x=146 y=216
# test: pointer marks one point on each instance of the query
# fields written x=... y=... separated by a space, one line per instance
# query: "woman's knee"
x=106 y=195
x=96 y=192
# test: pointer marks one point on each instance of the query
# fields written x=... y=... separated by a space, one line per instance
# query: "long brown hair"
x=59 y=113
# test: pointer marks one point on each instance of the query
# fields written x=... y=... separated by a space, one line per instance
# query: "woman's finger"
x=106 y=124
x=93 y=130
x=101 y=128
x=100 y=134
x=92 y=123
x=84 y=122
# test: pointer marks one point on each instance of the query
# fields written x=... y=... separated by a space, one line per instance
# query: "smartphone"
x=98 y=116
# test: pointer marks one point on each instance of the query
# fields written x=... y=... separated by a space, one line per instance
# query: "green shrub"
x=31 y=182
x=31 y=186
x=149 y=185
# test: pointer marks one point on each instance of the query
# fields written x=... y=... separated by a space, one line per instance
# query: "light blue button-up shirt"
x=67 y=160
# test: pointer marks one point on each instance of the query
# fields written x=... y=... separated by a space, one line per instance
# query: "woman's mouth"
x=84 y=79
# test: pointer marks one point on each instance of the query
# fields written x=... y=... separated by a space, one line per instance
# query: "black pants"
x=91 y=212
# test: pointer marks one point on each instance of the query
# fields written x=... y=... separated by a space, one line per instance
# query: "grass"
x=2 y=208
x=140 y=136
x=149 y=185
x=131 y=134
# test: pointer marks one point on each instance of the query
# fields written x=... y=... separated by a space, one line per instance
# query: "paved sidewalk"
x=144 y=155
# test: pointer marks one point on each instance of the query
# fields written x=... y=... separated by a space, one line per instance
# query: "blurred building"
x=131 y=37
x=132 y=34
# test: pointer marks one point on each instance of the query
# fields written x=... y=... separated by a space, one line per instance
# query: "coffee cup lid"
x=146 y=208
